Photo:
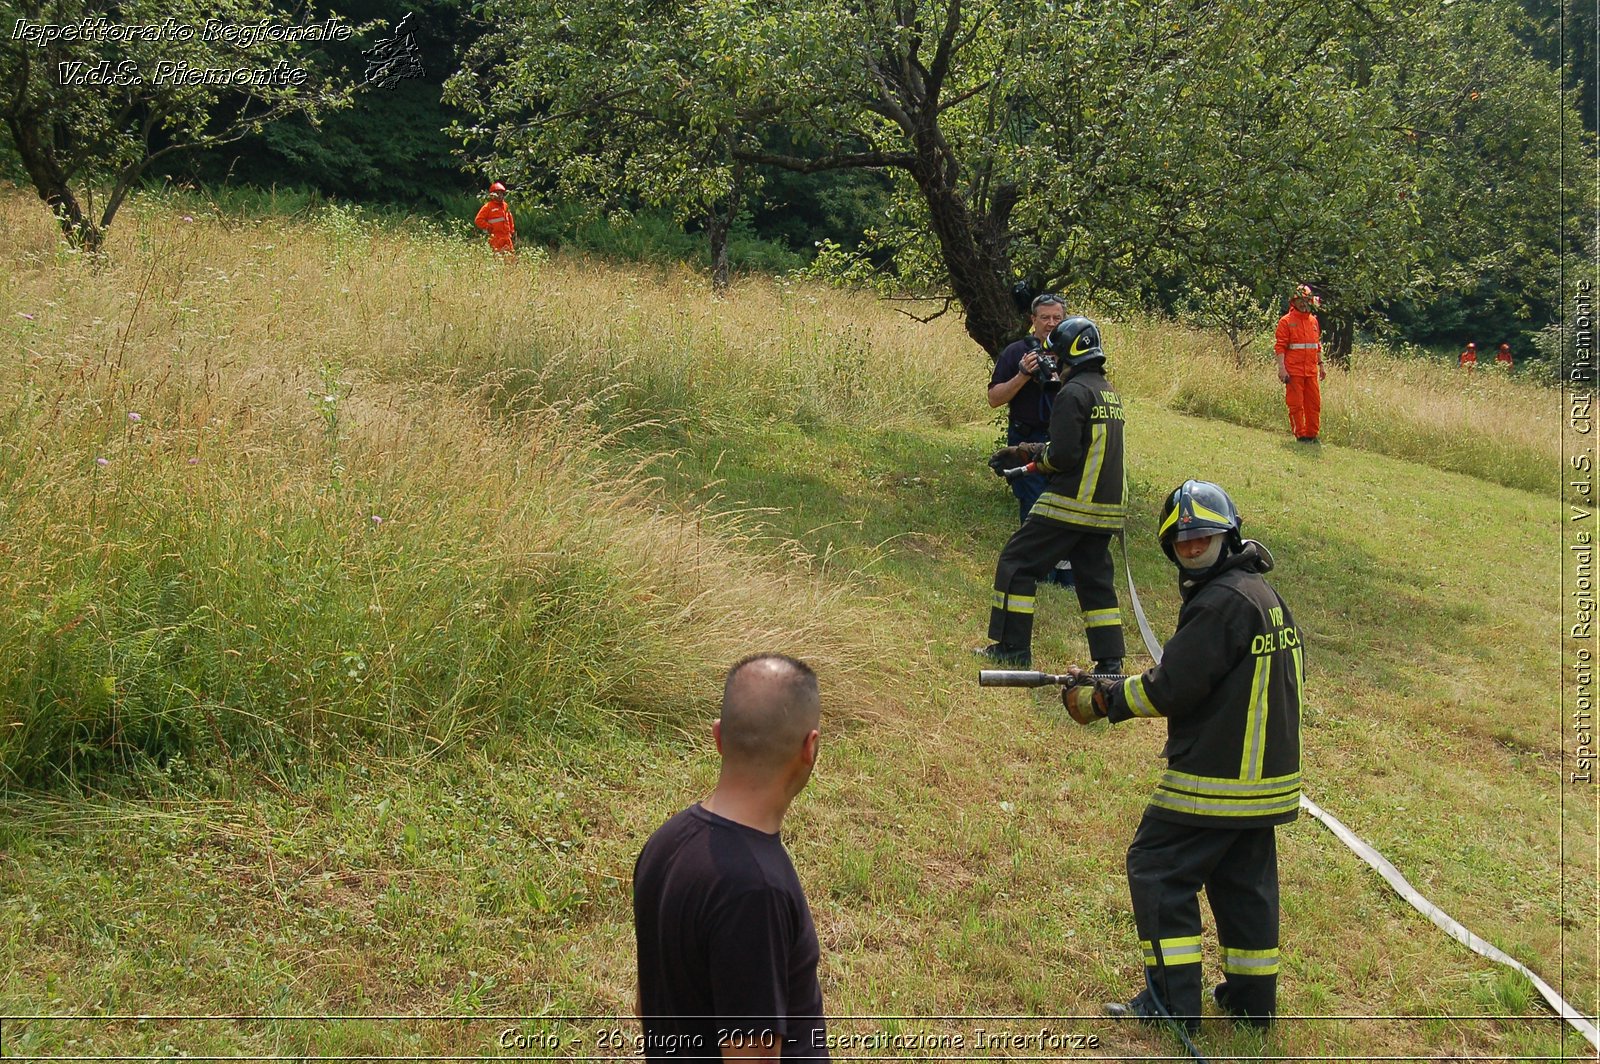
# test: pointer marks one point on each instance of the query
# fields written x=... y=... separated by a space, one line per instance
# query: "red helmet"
x=497 y=187
x=1304 y=292
x=1472 y=347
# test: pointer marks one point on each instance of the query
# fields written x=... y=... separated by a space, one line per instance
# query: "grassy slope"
x=962 y=848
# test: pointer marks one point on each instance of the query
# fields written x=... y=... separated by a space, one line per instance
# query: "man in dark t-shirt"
x=1028 y=405
x=1027 y=402
x=727 y=949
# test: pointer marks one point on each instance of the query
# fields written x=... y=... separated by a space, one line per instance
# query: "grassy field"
x=349 y=676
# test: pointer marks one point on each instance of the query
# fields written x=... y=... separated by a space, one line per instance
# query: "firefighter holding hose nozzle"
x=1229 y=683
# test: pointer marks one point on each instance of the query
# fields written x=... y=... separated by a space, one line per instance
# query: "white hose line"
x=1443 y=921
x=1389 y=872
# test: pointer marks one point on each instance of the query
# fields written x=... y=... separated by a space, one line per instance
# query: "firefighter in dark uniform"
x=1229 y=683
x=1075 y=518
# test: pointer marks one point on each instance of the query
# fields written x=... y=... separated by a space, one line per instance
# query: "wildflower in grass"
x=22 y=314
x=376 y=520
x=194 y=461
x=133 y=416
x=188 y=217
x=102 y=461
x=330 y=398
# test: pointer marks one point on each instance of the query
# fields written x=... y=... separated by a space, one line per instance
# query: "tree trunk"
x=1238 y=340
x=1338 y=337
x=980 y=269
x=51 y=183
x=719 y=223
x=717 y=234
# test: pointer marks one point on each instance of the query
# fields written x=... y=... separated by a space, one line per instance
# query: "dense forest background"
x=1494 y=274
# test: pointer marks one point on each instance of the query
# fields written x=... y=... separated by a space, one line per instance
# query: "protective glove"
x=1010 y=457
x=1007 y=458
x=1085 y=701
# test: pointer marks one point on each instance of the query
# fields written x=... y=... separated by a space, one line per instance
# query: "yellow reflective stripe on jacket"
x=1050 y=498
x=1138 y=701
x=1305 y=347
x=1105 y=515
x=1250 y=961
x=1092 y=463
x=1173 y=950
x=1255 y=722
x=1220 y=787
x=1012 y=603
x=1102 y=618
x=1219 y=806
x=1300 y=702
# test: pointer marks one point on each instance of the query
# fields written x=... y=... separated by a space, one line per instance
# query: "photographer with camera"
x=1077 y=514
x=1018 y=384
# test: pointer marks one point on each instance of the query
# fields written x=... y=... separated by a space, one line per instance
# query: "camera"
x=1048 y=371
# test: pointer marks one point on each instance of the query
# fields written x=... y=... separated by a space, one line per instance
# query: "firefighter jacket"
x=1229 y=684
x=496 y=217
x=1299 y=343
x=1083 y=459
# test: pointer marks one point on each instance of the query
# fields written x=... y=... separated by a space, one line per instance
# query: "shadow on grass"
x=924 y=510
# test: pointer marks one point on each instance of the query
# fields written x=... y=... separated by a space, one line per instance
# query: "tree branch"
x=867 y=160
x=942 y=55
x=888 y=103
x=960 y=98
x=931 y=317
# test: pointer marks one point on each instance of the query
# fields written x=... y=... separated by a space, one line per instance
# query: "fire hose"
x=1361 y=848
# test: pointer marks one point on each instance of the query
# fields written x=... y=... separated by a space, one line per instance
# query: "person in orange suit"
x=495 y=216
x=1298 y=346
x=1469 y=357
x=1503 y=356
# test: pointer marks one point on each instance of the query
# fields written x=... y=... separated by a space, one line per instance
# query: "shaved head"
x=770 y=704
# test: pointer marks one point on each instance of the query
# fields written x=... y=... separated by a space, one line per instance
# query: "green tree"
x=600 y=104
x=1108 y=150
x=94 y=92
x=1091 y=145
x=390 y=144
x=1482 y=120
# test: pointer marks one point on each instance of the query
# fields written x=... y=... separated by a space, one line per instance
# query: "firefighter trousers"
x=1168 y=864
x=1032 y=552
x=1303 y=394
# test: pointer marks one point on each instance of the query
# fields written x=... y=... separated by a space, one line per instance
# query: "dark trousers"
x=1033 y=551
x=1168 y=864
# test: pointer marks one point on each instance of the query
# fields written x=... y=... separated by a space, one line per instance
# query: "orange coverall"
x=1504 y=355
x=1299 y=344
x=1469 y=357
x=495 y=216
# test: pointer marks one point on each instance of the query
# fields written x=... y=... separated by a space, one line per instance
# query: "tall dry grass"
x=647 y=342
x=376 y=487
x=1485 y=424
x=245 y=514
